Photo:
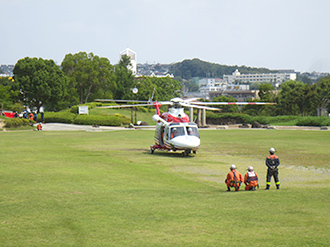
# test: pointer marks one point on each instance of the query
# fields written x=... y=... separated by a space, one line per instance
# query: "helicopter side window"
x=166 y=134
x=177 y=131
x=192 y=131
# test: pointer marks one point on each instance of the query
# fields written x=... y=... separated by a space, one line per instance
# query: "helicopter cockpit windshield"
x=177 y=131
x=192 y=131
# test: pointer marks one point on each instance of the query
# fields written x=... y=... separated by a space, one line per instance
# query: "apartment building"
x=275 y=78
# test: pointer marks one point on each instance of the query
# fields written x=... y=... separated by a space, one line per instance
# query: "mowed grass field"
x=66 y=188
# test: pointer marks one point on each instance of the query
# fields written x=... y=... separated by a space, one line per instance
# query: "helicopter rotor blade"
x=190 y=100
x=120 y=100
x=232 y=103
x=165 y=103
x=201 y=107
x=125 y=106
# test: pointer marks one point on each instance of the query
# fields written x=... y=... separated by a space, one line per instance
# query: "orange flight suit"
x=250 y=180
x=234 y=179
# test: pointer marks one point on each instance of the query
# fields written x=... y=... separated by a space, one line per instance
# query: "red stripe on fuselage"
x=170 y=118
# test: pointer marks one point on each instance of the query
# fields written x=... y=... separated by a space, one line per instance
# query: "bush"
x=261 y=119
x=17 y=122
x=68 y=117
x=125 y=120
x=59 y=117
x=90 y=105
x=74 y=109
x=278 y=119
x=313 y=121
x=228 y=118
x=142 y=109
x=98 y=120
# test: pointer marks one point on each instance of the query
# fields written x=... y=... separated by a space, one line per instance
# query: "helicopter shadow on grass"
x=169 y=154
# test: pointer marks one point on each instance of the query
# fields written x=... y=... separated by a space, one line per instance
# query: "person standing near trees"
x=272 y=162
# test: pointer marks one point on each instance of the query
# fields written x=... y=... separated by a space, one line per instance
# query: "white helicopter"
x=174 y=131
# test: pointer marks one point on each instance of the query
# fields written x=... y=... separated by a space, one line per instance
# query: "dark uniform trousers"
x=272 y=173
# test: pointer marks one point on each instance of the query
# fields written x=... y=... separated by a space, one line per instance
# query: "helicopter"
x=174 y=130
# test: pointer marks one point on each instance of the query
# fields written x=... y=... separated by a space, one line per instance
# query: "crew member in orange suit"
x=31 y=116
x=234 y=178
x=251 y=179
x=39 y=126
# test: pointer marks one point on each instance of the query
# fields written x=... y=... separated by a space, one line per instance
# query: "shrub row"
x=98 y=120
x=68 y=117
x=59 y=117
x=313 y=121
x=17 y=122
x=228 y=118
x=223 y=119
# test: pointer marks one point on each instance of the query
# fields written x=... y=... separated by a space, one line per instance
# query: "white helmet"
x=232 y=167
x=250 y=168
x=272 y=150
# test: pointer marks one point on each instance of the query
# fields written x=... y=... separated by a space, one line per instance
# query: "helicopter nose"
x=186 y=142
x=193 y=141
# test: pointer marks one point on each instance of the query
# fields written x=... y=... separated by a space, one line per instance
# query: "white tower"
x=132 y=55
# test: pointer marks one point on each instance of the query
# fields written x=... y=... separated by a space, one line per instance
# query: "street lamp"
x=134 y=91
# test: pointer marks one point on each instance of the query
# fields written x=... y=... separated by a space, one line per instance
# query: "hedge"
x=17 y=122
x=59 y=117
x=313 y=121
x=228 y=118
x=98 y=120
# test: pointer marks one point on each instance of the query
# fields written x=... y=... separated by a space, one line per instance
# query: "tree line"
x=293 y=98
x=81 y=78
x=190 y=68
x=84 y=77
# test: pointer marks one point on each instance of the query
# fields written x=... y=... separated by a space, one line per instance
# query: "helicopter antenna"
x=152 y=96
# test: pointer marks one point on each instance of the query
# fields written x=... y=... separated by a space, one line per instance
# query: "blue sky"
x=276 y=34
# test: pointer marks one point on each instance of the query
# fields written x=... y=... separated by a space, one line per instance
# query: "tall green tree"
x=90 y=77
x=296 y=98
x=323 y=94
x=124 y=79
x=40 y=82
x=9 y=97
x=165 y=88
x=266 y=92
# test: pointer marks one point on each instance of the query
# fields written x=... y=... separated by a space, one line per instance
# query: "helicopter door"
x=161 y=136
x=166 y=133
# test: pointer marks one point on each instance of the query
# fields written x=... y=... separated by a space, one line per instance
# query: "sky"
x=274 y=34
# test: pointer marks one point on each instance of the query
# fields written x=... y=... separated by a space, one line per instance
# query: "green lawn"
x=105 y=189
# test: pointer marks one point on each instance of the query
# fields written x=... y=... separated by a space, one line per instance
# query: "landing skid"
x=184 y=153
x=187 y=152
x=154 y=147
